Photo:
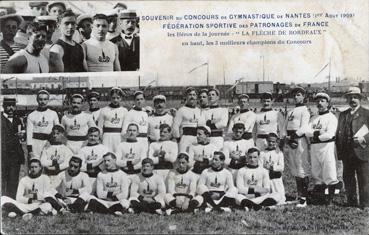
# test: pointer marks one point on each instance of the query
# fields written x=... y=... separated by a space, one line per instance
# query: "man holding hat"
x=39 y=125
x=245 y=116
x=128 y=42
x=38 y=8
x=267 y=121
x=297 y=148
x=9 y=24
x=321 y=132
x=352 y=142
x=12 y=155
x=160 y=116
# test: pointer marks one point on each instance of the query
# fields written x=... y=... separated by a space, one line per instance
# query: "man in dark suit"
x=353 y=148
x=128 y=41
x=12 y=155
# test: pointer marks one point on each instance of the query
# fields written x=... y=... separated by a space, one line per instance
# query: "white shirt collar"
x=128 y=40
x=354 y=110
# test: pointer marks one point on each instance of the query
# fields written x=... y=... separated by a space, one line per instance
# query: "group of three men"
x=94 y=54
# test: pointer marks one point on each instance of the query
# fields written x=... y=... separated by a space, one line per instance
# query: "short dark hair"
x=93 y=129
x=220 y=154
x=147 y=160
x=238 y=126
x=99 y=17
x=183 y=156
x=36 y=27
x=66 y=13
x=77 y=160
x=253 y=150
x=165 y=126
x=110 y=154
x=34 y=160
x=58 y=128
x=133 y=124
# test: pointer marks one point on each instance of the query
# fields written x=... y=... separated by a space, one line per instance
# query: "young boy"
x=55 y=157
x=164 y=152
x=181 y=188
x=273 y=160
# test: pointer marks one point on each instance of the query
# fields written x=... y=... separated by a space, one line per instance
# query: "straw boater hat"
x=5 y=13
x=354 y=91
x=83 y=17
x=128 y=14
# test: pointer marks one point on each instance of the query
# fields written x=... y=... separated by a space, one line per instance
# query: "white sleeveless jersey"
x=100 y=55
x=35 y=64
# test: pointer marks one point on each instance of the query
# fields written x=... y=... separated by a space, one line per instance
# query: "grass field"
x=334 y=219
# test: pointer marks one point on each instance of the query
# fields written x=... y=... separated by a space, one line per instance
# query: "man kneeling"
x=112 y=188
x=253 y=184
x=181 y=187
x=147 y=190
x=216 y=186
x=33 y=194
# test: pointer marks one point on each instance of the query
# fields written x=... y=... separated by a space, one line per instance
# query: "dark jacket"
x=359 y=118
x=11 y=149
x=129 y=55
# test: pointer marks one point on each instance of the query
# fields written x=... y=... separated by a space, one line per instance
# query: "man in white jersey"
x=253 y=184
x=296 y=148
x=216 y=118
x=201 y=153
x=31 y=194
x=267 y=121
x=216 y=186
x=92 y=156
x=160 y=116
x=138 y=115
x=39 y=125
x=147 y=190
x=245 y=116
x=235 y=150
x=55 y=156
x=93 y=102
x=181 y=188
x=76 y=124
x=321 y=132
x=130 y=152
x=112 y=189
x=111 y=120
x=30 y=59
x=100 y=54
x=164 y=152
x=74 y=187
x=186 y=120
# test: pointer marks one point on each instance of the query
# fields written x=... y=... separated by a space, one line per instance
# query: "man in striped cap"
x=39 y=125
x=76 y=124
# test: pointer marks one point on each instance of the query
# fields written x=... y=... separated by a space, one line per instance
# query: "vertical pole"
x=207 y=74
x=329 y=75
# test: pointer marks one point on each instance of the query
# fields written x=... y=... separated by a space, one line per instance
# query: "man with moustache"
x=66 y=55
x=128 y=42
x=12 y=155
x=100 y=55
x=30 y=59
x=353 y=148
x=39 y=125
x=76 y=124
x=186 y=121
x=160 y=116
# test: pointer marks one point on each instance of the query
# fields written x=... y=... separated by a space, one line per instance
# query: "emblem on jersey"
x=147 y=190
x=75 y=125
x=43 y=122
x=291 y=117
x=103 y=59
x=142 y=122
x=252 y=181
x=33 y=189
x=194 y=119
x=115 y=119
x=55 y=156
x=92 y=156
x=237 y=151
x=131 y=154
x=215 y=184
x=317 y=126
x=181 y=184
x=111 y=183
x=264 y=121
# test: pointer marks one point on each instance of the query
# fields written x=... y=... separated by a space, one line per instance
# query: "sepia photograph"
x=184 y=117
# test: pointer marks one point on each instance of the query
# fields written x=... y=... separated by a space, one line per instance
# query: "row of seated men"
x=252 y=181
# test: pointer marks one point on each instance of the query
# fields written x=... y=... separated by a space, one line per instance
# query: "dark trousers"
x=353 y=166
x=9 y=179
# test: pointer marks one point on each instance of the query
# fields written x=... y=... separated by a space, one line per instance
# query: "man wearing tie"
x=12 y=155
x=353 y=148
x=128 y=42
